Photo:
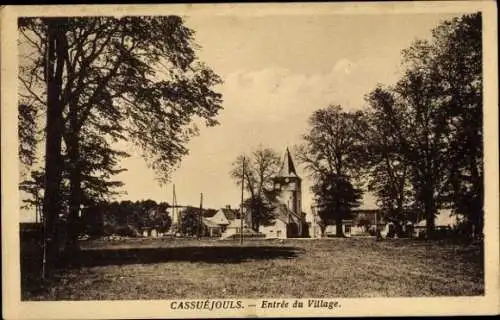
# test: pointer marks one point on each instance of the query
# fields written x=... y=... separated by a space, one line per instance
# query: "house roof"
x=230 y=214
x=209 y=223
x=209 y=213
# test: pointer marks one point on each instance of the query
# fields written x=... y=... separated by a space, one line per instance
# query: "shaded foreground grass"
x=168 y=269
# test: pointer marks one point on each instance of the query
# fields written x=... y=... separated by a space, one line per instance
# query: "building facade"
x=289 y=219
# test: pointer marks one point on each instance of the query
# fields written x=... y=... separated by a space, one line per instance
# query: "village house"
x=234 y=230
x=217 y=223
x=365 y=221
x=347 y=228
x=313 y=224
x=286 y=224
x=362 y=222
x=445 y=221
x=289 y=220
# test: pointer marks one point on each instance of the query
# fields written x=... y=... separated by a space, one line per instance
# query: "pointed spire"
x=288 y=168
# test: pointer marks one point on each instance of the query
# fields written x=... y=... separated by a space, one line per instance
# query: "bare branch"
x=27 y=86
x=25 y=36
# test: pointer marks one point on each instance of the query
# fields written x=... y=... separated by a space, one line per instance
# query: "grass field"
x=166 y=269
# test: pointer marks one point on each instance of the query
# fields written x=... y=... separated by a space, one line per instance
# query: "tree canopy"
x=332 y=152
x=419 y=143
x=101 y=80
x=426 y=136
x=260 y=167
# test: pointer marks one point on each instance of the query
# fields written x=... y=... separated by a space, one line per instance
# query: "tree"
x=98 y=164
x=33 y=187
x=261 y=209
x=460 y=71
x=387 y=152
x=427 y=140
x=331 y=152
x=190 y=221
x=260 y=167
x=129 y=218
x=27 y=134
x=134 y=78
x=425 y=146
x=335 y=198
x=442 y=89
x=55 y=52
x=160 y=219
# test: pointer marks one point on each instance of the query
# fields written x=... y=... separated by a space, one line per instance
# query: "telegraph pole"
x=242 y=190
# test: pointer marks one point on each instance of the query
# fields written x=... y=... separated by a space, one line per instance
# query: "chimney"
x=228 y=206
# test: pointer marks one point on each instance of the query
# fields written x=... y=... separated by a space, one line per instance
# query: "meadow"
x=295 y=268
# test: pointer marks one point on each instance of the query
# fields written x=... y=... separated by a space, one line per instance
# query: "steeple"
x=288 y=168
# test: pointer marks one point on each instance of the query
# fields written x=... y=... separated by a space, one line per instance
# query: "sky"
x=277 y=70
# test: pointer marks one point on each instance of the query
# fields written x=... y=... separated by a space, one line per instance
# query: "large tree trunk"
x=322 y=228
x=257 y=219
x=73 y=144
x=430 y=214
x=478 y=204
x=54 y=131
x=339 y=232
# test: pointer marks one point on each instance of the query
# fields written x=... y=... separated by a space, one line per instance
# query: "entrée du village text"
x=311 y=303
x=265 y=304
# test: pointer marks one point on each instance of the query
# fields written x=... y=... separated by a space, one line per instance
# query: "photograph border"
x=14 y=308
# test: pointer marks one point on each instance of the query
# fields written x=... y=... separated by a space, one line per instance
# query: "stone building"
x=289 y=219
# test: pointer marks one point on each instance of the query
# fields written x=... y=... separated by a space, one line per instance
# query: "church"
x=289 y=219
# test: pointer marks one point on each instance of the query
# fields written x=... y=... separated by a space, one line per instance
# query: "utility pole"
x=242 y=190
x=200 y=222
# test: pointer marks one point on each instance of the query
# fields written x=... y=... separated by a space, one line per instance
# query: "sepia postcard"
x=250 y=160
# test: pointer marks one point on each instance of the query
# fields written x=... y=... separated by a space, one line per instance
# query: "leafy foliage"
x=114 y=79
x=426 y=139
x=334 y=144
x=133 y=75
x=335 y=198
x=27 y=118
x=127 y=217
x=260 y=167
x=261 y=208
x=190 y=221
x=333 y=153
x=387 y=147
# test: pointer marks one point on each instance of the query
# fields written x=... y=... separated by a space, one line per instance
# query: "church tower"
x=288 y=185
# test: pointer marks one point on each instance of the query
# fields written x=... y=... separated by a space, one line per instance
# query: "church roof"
x=287 y=167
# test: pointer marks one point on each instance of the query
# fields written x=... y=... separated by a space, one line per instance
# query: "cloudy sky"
x=277 y=70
